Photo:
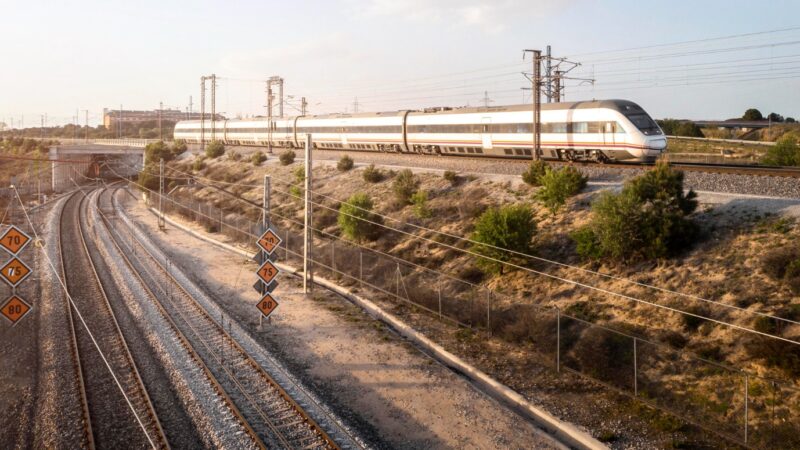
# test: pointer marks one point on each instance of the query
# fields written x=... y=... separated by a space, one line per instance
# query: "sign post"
x=267 y=273
x=14 y=272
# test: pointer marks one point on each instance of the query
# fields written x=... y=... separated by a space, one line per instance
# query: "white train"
x=606 y=130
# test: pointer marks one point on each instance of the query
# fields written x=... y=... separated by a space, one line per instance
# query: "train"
x=597 y=130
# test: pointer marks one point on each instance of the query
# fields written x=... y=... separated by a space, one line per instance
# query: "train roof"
x=614 y=104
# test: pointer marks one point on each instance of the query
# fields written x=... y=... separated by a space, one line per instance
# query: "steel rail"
x=218 y=329
x=153 y=424
x=87 y=421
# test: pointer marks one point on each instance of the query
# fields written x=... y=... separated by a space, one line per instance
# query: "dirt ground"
x=370 y=376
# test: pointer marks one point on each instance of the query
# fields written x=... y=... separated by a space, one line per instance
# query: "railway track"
x=118 y=412
x=268 y=412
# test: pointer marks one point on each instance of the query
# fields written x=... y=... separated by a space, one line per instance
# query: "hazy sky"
x=61 y=56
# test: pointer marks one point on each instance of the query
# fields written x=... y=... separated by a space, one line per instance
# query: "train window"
x=527 y=152
x=478 y=150
x=509 y=151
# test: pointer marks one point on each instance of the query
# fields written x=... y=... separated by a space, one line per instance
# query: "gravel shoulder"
x=399 y=396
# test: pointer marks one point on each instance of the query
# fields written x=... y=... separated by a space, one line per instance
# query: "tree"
x=535 y=171
x=648 y=219
x=156 y=151
x=790 y=120
x=752 y=114
x=404 y=186
x=775 y=117
x=215 y=149
x=356 y=219
x=497 y=230
x=785 y=152
x=178 y=147
x=688 y=129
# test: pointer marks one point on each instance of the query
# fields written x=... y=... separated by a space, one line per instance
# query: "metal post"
x=537 y=102
x=265 y=219
x=489 y=312
x=213 y=107
x=635 y=371
x=280 y=94
x=202 y=113
x=160 y=131
x=269 y=116
x=547 y=73
x=557 y=86
x=308 y=237
x=361 y=267
x=558 y=340
x=439 y=289
x=746 y=401
x=161 y=221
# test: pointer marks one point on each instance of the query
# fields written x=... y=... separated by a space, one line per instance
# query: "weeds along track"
x=269 y=413
x=110 y=400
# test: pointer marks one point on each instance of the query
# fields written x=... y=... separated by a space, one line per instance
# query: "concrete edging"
x=564 y=431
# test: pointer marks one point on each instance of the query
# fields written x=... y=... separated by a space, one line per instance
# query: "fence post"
x=308 y=239
x=746 y=398
x=558 y=340
x=361 y=267
x=489 y=311
x=635 y=371
x=439 y=289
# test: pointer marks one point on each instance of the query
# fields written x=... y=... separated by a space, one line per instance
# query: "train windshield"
x=644 y=123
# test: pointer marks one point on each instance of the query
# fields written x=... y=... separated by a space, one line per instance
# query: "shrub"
x=372 y=175
x=215 y=149
x=287 y=157
x=559 y=185
x=420 y=201
x=345 y=163
x=647 y=220
x=234 y=156
x=510 y=227
x=783 y=265
x=148 y=177
x=784 y=153
x=258 y=158
x=354 y=215
x=404 y=186
x=299 y=174
x=155 y=151
x=178 y=147
x=450 y=176
x=535 y=171
x=199 y=164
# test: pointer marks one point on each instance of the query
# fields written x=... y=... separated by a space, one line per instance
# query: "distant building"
x=733 y=124
x=111 y=117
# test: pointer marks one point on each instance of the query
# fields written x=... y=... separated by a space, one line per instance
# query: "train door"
x=486 y=132
x=608 y=133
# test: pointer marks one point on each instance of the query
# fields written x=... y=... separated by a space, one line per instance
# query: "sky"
x=679 y=59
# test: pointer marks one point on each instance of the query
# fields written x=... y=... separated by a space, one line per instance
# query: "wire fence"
x=742 y=407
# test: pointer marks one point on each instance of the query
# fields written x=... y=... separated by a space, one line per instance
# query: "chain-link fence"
x=742 y=407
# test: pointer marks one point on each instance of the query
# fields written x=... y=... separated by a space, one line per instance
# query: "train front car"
x=644 y=138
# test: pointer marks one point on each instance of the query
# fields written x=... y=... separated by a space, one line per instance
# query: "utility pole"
x=202 y=113
x=486 y=99
x=308 y=235
x=303 y=106
x=77 y=120
x=160 y=132
x=213 y=107
x=86 y=117
x=161 y=222
x=280 y=95
x=355 y=105
x=42 y=126
x=548 y=72
x=269 y=115
x=536 y=92
x=557 y=87
x=190 y=109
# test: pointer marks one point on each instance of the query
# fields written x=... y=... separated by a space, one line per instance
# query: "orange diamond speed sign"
x=267 y=272
x=269 y=241
x=14 y=240
x=14 y=272
x=267 y=305
x=14 y=309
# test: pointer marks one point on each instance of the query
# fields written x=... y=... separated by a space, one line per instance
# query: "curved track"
x=269 y=413
x=113 y=419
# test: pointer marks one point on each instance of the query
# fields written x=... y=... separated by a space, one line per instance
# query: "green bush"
x=784 y=153
x=234 y=156
x=510 y=227
x=535 y=171
x=287 y=157
x=647 y=220
x=199 y=163
x=420 y=201
x=345 y=163
x=148 y=177
x=156 y=151
x=372 y=174
x=178 y=147
x=215 y=149
x=558 y=185
x=299 y=174
x=404 y=186
x=258 y=158
x=355 y=217
x=450 y=176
